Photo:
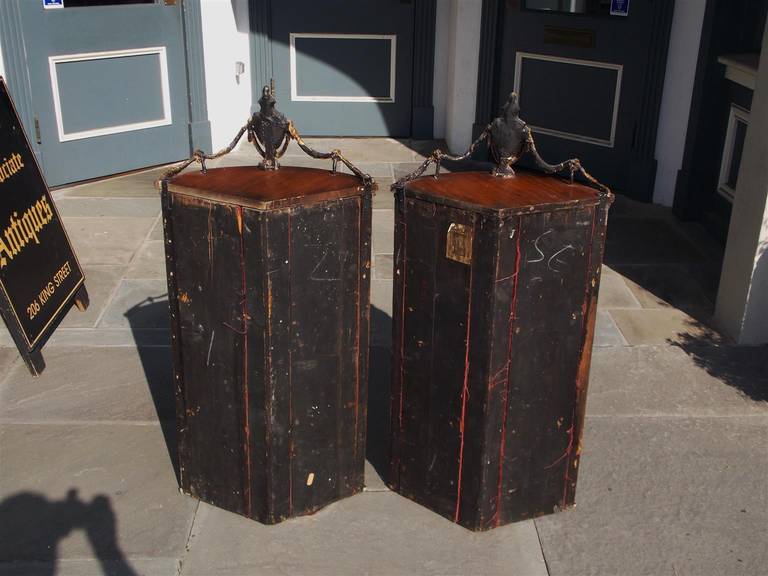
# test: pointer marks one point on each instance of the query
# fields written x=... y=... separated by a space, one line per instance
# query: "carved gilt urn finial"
x=268 y=130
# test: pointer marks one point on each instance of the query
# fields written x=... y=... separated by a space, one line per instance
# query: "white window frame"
x=737 y=114
x=166 y=120
x=390 y=99
x=576 y=62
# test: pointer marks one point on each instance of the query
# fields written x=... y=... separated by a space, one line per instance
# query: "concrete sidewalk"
x=673 y=477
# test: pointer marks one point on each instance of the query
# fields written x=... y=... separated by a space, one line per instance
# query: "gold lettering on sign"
x=9 y=166
x=22 y=230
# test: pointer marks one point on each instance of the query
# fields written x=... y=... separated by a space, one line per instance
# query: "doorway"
x=590 y=75
x=348 y=68
x=107 y=85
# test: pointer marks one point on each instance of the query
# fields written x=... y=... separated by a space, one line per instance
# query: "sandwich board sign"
x=40 y=277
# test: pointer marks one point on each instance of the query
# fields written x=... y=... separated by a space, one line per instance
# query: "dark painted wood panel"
x=491 y=356
x=270 y=315
x=252 y=276
x=547 y=328
x=211 y=341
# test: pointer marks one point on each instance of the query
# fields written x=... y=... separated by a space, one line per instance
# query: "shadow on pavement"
x=31 y=527
x=743 y=367
x=378 y=434
x=159 y=377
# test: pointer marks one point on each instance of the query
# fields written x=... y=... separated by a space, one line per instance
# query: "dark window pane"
x=572 y=6
x=82 y=3
x=738 y=148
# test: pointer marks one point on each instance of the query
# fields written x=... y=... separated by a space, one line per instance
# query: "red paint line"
x=570 y=445
x=586 y=310
x=268 y=378
x=246 y=400
x=510 y=335
x=210 y=241
x=402 y=322
x=360 y=272
x=401 y=391
x=290 y=370
x=464 y=394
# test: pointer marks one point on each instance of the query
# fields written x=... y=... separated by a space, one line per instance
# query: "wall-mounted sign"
x=49 y=4
x=40 y=277
x=619 y=7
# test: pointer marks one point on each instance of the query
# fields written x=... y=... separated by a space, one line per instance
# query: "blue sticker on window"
x=47 y=4
x=619 y=7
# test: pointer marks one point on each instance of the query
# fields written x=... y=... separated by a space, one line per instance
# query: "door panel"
x=344 y=68
x=581 y=79
x=108 y=87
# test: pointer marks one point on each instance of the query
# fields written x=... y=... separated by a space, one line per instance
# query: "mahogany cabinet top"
x=254 y=187
x=526 y=191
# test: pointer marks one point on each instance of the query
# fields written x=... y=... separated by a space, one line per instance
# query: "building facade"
x=641 y=91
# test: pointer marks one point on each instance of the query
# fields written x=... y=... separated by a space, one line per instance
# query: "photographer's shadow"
x=31 y=527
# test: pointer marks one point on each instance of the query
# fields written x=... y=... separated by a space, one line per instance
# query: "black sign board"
x=40 y=277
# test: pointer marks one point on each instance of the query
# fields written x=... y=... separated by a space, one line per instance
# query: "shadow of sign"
x=31 y=527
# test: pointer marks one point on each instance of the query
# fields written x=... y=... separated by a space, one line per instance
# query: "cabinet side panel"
x=480 y=394
x=435 y=360
x=325 y=337
x=504 y=299
x=211 y=329
x=547 y=333
x=363 y=332
x=594 y=266
x=279 y=382
x=253 y=274
x=179 y=388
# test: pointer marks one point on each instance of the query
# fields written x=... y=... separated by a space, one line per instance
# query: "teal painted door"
x=344 y=68
x=108 y=87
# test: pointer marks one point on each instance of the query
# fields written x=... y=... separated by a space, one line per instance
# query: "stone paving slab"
x=606 y=331
x=360 y=149
x=109 y=207
x=127 y=466
x=8 y=357
x=382 y=266
x=384 y=199
x=664 y=326
x=136 y=185
x=149 y=261
x=614 y=293
x=368 y=534
x=101 y=282
x=676 y=496
x=665 y=286
x=92 y=384
x=107 y=240
x=131 y=307
x=77 y=567
x=667 y=381
x=383 y=232
x=99 y=338
x=157 y=231
x=648 y=241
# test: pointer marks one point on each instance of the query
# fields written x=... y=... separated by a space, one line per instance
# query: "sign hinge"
x=38 y=137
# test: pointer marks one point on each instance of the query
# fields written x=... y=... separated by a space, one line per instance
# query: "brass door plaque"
x=458 y=244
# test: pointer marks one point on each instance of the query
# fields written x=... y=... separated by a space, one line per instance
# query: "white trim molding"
x=590 y=63
x=741 y=68
x=390 y=99
x=736 y=115
x=166 y=120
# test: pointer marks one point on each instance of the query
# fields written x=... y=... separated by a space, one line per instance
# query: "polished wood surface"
x=482 y=190
x=264 y=189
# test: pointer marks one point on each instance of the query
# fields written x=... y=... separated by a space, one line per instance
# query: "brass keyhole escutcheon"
x=459 y=243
